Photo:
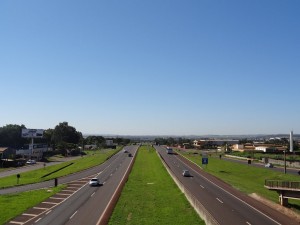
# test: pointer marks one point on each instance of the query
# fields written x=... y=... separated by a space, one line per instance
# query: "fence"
x=280 y=184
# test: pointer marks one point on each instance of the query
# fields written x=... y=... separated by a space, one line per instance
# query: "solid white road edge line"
x=37 y=220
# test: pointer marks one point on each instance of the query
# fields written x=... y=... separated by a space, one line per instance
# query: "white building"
x=33 y=151
x=264 y=149
x=237 y=147
x=109 y=142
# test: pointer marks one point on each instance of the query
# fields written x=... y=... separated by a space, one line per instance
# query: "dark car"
x=186 y=173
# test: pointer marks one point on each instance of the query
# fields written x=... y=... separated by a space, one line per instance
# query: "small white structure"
x=264 y=149
x=92 y=147
x=109 y=142
x=237 y=147
x=33 y=151
x=291 y=142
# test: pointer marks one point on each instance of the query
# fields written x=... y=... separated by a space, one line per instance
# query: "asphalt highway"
x=225 y=204
x=63 y=180
x=88 y=204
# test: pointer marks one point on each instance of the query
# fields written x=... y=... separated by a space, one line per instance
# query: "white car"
x=94 y=182
x=31 y=161
x=269 y=165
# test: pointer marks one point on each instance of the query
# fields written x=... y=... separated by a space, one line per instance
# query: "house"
x=214 y=142
x=237 y=147
x=7 y=153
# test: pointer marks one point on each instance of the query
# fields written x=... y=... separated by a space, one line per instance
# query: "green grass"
x=259 y=156
x=247 y=179
x=35 y=176
x=12 y=205
x=150 y=196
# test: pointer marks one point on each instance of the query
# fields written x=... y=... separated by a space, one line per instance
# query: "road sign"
x=204 y=161
x=32 y=133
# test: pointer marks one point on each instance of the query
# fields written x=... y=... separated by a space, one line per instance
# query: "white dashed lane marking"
x=219 y=200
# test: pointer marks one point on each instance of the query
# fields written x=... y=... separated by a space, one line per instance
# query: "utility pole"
x=284 y=161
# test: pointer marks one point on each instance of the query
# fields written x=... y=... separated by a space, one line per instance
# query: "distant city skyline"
x=151 y=67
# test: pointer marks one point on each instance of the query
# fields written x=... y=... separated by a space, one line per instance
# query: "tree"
x=63 y=135
x=10 y=136
x=48 y=137
x=95 y=140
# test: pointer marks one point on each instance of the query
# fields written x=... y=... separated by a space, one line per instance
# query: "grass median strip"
x=150 y=196
x=59 y=170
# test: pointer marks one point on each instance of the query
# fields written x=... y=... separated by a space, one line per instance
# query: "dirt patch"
x=277 y=207
x=129 y=216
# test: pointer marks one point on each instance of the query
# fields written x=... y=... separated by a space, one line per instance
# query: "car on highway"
x=129 y=155
x=31 y=161
x=269 y=165
x=125 y=151
x=94 y=182
x=186 y=173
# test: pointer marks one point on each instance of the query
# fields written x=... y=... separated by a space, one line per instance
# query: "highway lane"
x=88 y=204
x=61 y=180
x=223 y=203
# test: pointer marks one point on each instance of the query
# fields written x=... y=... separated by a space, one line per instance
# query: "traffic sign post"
x=18 y=177
x=205 y=161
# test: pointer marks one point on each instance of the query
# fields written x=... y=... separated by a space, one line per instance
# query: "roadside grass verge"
x=12 y=205
x=59 y=170
x=150 y=196
x=246 y=178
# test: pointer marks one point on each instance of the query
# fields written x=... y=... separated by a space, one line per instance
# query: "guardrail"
x=280 y=184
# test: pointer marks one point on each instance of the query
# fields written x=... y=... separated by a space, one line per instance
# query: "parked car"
x=94 y=182
x=186 y=173
x=269 y=165
x=31 y=161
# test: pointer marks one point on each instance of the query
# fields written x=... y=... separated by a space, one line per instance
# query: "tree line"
x=63 y=136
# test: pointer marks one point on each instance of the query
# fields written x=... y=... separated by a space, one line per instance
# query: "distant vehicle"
x=186 y=173
x=125 y=151
x=269 y=165
x=169 y=150
x=31 y=161
x=129 y=155
x=94 y=182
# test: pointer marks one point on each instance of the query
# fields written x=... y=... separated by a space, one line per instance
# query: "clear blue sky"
x=159 y=67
